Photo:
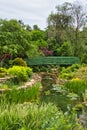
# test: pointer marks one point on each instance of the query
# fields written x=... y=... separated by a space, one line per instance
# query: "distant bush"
x=21 y=73
x=19 y=62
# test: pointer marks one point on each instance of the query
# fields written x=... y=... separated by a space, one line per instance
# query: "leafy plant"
x=69 y=72
x=59 y=89
x=20 y=73
x=81 y=73
x=19 y=61
x=3 y=72
x=72 y=96
x=76 y=86
x=21 y=95
x=31 y=116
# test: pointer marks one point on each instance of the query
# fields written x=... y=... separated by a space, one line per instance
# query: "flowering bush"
x=46 y=52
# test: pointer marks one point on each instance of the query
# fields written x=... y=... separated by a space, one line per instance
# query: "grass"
x=22 y=95
x=76 y=86
x=31 y=116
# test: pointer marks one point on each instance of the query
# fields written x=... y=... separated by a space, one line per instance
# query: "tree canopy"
x=65 y=35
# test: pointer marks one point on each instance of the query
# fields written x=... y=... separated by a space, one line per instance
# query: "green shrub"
x=20 y=73
x=3 y=72
x=19 y=62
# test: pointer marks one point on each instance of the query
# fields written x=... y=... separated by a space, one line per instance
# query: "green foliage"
x=84 y=58
x=14 y=39
x=73 y=96
x=9 y=83
x=41 y=43
x=29 y=116
x=3 y=72
x=21 y=95
x=66 y=75
x=15 y=43
x=37 y=35
x=69 y=72
x=18 y=41
x=10 y=25
x=19 y=61
x=65 y=49
x=20 y=73
x=77 y=86
x=44 y=68
x=34 y=50
x=81 y=73
x=64 y=25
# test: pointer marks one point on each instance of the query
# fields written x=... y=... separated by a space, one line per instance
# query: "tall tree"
x=66 y=24
x=58 y=24
x=79 y=21
x=14 y=39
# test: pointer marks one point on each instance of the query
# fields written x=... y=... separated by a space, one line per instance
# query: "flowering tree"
x=46 y=52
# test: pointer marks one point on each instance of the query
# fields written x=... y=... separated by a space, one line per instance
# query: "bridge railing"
x=53 y=60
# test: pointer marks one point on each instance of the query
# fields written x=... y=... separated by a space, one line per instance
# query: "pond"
x=49 y=95
x=61 y=101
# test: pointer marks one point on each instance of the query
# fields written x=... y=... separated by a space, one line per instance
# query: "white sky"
x=30 y=11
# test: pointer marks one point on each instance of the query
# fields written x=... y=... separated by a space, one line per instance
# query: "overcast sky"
x=30 y=11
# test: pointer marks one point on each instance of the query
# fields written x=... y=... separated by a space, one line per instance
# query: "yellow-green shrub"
x=21 y=73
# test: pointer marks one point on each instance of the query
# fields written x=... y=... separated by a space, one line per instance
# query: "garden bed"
x=35 y=78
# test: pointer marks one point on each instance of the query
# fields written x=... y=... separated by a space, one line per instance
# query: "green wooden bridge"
x=52 y=60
